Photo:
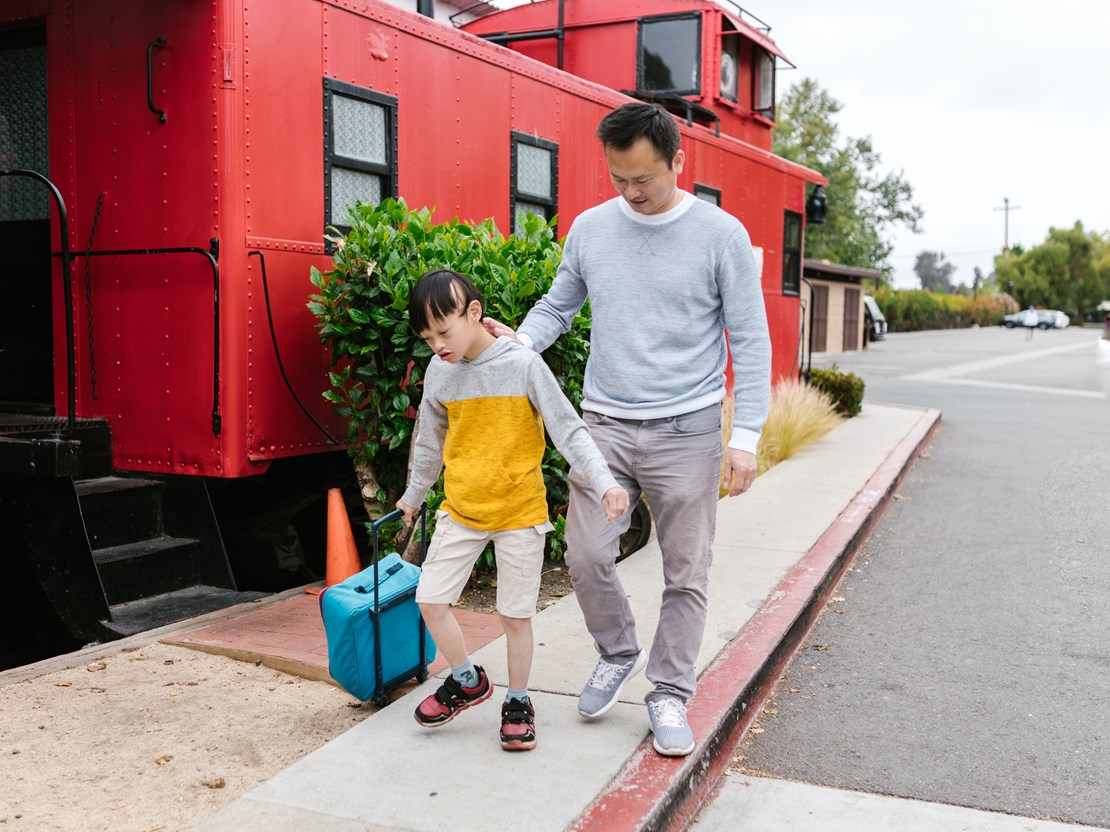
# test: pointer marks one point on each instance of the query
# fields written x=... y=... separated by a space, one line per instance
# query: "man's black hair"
x=629 y=123
x=439 y=294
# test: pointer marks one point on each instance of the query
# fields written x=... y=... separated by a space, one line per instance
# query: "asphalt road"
x=965 y=659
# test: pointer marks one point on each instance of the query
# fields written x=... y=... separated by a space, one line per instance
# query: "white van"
x=876 y=321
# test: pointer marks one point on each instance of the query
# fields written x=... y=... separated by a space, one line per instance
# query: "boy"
x=485 y=405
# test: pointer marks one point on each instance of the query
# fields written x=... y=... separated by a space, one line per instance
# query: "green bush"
x=845 y=389
x=378 y=361
x=912 y=310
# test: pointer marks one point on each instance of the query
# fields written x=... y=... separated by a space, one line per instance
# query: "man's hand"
x=615 y=503
x=408 y=510
x=497 y=329
x=739 y=471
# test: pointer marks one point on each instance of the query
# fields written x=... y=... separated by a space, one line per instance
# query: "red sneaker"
x=452 y=698
x=518 y=725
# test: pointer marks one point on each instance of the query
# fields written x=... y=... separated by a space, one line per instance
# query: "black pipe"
x=277 y=352
x=809 y=357
x=561 y=34
x=67 y=283
x=510 y=37
x=426 y=7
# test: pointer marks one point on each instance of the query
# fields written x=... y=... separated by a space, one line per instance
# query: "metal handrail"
x=210 y=254
x=67 y=258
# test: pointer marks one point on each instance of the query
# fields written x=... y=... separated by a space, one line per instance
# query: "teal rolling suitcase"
x=376 y=637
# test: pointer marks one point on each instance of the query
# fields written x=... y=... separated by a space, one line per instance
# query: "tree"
x=934 y=272
x=1069 y=271
x=864 y=204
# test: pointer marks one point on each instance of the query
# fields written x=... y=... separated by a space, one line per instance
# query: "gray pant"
x=674 y=463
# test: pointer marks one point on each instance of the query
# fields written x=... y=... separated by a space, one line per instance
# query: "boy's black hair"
x=629 y=123
x=440 y=293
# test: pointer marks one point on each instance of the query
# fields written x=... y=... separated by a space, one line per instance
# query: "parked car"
x=1102 y=357
x=1057 y=318
x=1046 y=319
x=875 y=319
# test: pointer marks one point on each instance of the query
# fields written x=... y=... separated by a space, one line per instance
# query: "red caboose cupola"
x=705 y=63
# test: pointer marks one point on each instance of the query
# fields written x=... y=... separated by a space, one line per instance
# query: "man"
x=665 y=274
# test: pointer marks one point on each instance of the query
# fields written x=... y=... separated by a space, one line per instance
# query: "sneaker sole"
x=458 y=711
x=518 y=745
x=641 y=660
x=673 y=752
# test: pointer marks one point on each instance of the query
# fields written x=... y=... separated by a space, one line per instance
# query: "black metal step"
x=160 y=610
x=133 y=571
x=120 y=510
x=93 y=435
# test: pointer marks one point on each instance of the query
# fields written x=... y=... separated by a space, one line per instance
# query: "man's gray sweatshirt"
x=662 y=290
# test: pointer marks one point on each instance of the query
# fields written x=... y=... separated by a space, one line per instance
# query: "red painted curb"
x=660 y=794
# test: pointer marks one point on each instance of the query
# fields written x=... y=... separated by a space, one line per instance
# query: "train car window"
x=534 y=172
x=730 y=62
x=708 y=194
x=791 y=253
x=669 y=55
x=360 y=149
x=763 y=93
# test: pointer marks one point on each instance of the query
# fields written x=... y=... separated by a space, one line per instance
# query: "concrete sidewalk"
x=779 y=551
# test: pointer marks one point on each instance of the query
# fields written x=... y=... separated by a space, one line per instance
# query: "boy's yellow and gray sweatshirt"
x=482 y=422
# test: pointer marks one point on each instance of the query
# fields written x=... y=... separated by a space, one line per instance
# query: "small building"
x=832 y=303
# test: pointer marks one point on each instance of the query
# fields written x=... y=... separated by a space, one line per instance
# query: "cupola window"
x=670 y=55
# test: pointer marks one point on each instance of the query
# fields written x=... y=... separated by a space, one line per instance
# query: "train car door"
x=26 y=342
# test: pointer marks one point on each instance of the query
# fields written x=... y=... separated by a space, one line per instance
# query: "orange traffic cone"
x=343 y=559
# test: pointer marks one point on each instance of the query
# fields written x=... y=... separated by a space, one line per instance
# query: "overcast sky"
x=973 y=101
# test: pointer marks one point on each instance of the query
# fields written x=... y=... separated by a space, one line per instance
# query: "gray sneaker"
x=673 y=737
x=601 y=692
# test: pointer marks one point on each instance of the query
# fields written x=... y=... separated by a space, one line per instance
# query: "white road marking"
x=950 y=375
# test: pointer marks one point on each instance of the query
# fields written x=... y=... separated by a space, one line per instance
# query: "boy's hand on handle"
x=740 y=467
x=408 y=510
x=497 y=329
x=615 y=503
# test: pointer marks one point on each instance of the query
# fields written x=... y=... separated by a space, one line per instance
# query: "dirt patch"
x=157 y=738
x=480 y=594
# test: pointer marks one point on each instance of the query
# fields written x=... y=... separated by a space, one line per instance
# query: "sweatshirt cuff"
x=744 y=440
x=414 y=497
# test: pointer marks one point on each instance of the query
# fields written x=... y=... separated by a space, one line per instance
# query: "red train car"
x=199 y=149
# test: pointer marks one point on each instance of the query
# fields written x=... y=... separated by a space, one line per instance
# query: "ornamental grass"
x=798 y=416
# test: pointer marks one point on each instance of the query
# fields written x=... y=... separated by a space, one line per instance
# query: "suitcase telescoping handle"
x=396 y=514
x=375 y=526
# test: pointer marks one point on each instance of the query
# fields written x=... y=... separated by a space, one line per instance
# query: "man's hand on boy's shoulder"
x=497 y=329
x=615 y=503
x=408 y=510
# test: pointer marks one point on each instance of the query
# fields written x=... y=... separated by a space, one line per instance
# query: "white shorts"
x=455 y=549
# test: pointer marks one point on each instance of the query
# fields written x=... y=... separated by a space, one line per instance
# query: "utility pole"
x=1007 y=207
